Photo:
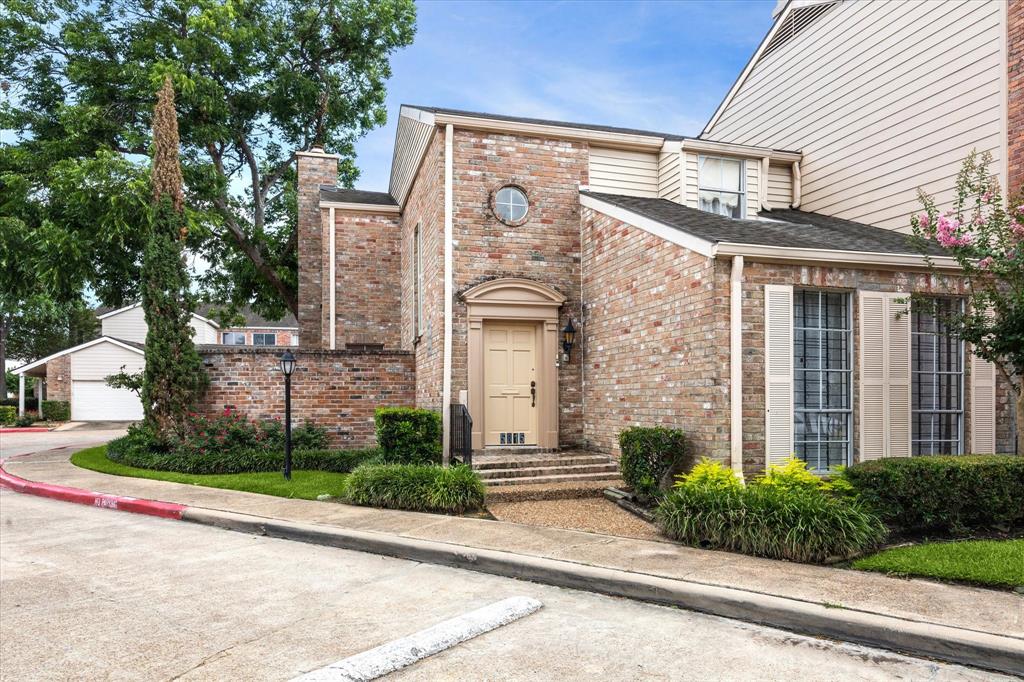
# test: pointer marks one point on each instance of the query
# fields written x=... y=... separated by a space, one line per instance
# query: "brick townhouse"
x=747 y=285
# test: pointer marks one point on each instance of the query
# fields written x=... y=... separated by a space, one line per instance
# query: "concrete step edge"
x=557 y=478
x=547 y=471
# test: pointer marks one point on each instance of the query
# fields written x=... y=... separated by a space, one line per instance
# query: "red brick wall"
x=425 y=207
x=1015 y=100
x=756 y=275
x=336 y=389
x=313 y=171
x=655 y=339
x=545 y=248
x=367 y=273
x=58 y=378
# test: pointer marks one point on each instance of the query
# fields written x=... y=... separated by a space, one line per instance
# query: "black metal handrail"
x=460 y=446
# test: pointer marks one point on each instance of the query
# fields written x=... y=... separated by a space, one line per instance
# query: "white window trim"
x=264 y=345
x=743 y=182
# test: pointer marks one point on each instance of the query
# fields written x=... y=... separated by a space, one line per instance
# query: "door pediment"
x=513 y=291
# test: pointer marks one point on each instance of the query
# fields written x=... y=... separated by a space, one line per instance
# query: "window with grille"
x=937 y=381
x=822 y=370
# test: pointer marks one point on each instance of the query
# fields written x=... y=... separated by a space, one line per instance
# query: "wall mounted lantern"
x=287 y=367
x=568 y=339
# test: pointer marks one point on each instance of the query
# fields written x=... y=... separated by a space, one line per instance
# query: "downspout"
x=333 y=309
x=21 y=398
x=796 y=185
x=446 y=380
x=762 y=185
x=736 y=366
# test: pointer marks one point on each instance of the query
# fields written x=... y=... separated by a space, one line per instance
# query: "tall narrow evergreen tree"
x=174 y=378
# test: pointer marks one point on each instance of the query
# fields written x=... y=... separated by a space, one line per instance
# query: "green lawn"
x=994 y=563
x=306 y=485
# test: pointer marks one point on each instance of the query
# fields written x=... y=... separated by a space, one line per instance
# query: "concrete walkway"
x=820 y=592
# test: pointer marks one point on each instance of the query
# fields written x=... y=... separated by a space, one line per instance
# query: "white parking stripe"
x=395 y=655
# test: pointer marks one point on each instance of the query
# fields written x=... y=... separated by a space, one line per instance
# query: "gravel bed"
x=596 y=515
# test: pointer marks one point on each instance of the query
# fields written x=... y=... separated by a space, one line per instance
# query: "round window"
x=510 y=204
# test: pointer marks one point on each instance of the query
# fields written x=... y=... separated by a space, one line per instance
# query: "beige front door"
x=510 y=375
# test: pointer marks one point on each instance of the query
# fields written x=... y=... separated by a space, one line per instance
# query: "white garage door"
x=95 y=401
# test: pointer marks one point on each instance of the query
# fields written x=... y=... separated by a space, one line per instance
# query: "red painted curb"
x=27 y=429
x=166 y=510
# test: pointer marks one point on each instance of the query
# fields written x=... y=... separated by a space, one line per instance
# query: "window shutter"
x=778 y=362
x=884 y=375
x=983 y=406
x=898 y=375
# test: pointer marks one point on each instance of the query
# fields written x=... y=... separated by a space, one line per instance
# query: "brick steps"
x=533 y=473
x=481 y=464
x=534 y=492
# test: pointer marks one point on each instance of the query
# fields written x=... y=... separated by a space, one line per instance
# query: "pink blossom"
x=1017 y=229
x=986 y=197
x=946 y=233
x=924 y=220
x=986 y=262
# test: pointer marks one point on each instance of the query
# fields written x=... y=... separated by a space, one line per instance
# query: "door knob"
x=533 y=394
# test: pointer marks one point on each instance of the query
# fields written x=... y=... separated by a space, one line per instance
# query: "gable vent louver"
x=797 y=21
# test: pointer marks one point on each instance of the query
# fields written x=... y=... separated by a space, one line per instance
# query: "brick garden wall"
x=655 y=339
x=367 y=270
x=338 y=390
x=545 y=248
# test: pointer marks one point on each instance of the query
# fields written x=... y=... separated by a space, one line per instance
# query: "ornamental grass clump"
x=415 y=487
x=787 y=514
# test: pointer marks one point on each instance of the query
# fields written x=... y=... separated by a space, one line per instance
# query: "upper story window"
x=264 y=339
x=721 y=186
x=233 y=338
x=510 y=205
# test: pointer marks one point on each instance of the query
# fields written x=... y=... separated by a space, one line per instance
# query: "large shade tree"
x=256 y=80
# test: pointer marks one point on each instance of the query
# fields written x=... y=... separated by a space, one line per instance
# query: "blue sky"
x=653 y=65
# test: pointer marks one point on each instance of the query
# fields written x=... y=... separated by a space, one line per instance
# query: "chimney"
x=316 y=168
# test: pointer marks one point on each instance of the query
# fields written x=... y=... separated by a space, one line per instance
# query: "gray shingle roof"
x=785 y=228
x=356 y=196
x=563 y=124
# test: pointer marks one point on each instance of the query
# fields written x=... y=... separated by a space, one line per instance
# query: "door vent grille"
x=512 y=438
x=797 y=21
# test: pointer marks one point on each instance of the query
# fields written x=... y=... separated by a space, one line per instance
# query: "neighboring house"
x=78 y=374
x=747 y=286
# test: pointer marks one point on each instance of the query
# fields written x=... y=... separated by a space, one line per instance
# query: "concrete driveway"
x=80 y=434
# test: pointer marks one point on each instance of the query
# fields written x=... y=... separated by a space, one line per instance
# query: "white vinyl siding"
x=881 y=98
x=99 y=361
x=778 y=352
x=884 y=375
x=752 y=188
x=983 y=406
x=691 y=162
x=669 y=177
x=411 y=139
x=617 y=171
x=780 y=186
x=130 y=325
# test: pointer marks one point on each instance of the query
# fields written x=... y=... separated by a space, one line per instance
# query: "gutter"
x=861 y=259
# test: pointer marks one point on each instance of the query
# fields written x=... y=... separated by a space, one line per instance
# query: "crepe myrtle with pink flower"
x=985 y=236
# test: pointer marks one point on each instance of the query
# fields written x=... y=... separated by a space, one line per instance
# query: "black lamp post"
x=287 y=367
x=568 y=338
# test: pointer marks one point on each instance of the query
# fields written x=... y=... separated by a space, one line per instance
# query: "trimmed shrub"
x=31 y=403
x=56 y=410
x=796 y=522
x=136 y=451
x=415 y=487
x=8 y=414
x=232 y=431
x=27 y=420
x=408 y=435
x=953 y=495
x=650 y=457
